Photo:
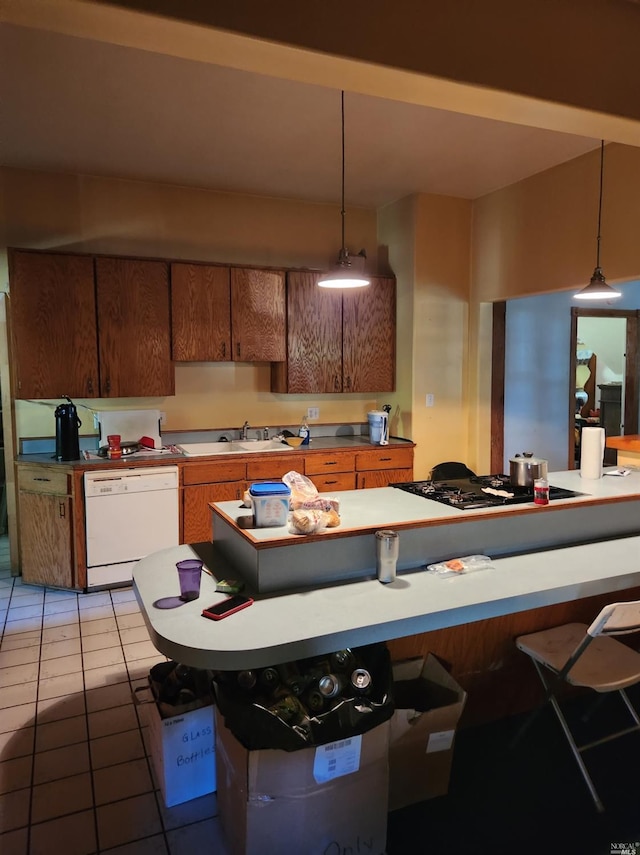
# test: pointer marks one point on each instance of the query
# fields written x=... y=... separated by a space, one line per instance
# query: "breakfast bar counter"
x=468 y=620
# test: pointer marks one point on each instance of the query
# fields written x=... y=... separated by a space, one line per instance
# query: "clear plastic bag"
x=305 y=496
x=460 y=566
x=307 y=521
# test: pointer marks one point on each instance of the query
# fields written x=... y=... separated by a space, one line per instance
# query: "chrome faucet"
x=265 y=433
x=244 y=433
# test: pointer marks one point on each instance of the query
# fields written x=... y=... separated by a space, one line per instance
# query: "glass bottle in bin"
x=291 y=677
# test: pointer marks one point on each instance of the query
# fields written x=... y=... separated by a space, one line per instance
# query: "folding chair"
x=587 y=656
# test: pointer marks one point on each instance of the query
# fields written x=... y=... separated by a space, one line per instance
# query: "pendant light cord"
x=342 y=211
x=600 y=202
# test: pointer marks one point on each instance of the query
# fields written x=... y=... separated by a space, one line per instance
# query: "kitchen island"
x=469 y=621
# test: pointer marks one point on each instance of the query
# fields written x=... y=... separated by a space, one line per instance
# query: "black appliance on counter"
x=478 y=491
x=67 y=436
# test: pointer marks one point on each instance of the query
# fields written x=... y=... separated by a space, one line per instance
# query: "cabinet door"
x=369 y=337
x=134 y=328
x=314 y=338
x=45 y=532
x=197 y=525
x=53 y=321
x=258 y=324
x=382 y=478
x=200 y=313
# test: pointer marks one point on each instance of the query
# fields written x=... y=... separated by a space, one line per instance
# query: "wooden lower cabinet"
x=383 y=466
x=204 y=483
x=330 y=472
x=46 y=529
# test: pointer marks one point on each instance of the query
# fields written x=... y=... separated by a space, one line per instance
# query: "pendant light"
x=597 y=289
x=343 y=275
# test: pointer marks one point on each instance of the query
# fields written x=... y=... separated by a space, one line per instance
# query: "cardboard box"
x=312 y=801
x=183 y=752
x=421 y=742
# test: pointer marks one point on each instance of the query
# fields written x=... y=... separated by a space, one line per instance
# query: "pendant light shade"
x=344 y=274
x=598 y=289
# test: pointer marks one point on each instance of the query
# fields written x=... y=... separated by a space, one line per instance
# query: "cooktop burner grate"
x=468 y=493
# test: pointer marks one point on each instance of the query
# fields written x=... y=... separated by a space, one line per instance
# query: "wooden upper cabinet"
x=53 y=323
x=369 y=337
x=258 y=315
x=314 y=338
x=134 y=328
x=200 y=313
x=338 y=341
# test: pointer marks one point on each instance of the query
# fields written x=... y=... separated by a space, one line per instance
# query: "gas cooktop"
x=478 y=491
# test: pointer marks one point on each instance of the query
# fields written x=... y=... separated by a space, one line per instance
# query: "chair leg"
x=630 y=707
x=565 y=727
x=576 y=753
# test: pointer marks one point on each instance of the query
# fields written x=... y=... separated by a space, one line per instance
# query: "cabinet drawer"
x=340 y=461
x=37 y=479
x=383 y=477
x=275 y=467
x=385 y=458
x=331 y=482
x=211 y=473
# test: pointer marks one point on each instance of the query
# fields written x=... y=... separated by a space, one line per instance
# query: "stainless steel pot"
x=525 y=468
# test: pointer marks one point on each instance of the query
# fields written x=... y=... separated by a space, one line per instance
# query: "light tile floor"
x=75 y=774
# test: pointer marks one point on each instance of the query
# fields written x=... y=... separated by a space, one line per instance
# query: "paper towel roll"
x=591 y=452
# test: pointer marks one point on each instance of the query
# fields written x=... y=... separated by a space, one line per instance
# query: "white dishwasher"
x=129 y=513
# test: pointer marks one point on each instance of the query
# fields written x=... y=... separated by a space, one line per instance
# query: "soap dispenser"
x=303 y=431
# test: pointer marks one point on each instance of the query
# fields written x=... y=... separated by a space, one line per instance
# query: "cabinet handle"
x=62 y=510
x=331 y=482
x=90 y=386
x=331 y=463
x=224 y=349
x=384 y=459
x=238 y=349
x=336 y=384
x=108 y=385
x=348 y=382
x=39 y=478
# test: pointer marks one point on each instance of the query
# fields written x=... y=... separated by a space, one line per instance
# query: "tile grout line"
x=156 y=793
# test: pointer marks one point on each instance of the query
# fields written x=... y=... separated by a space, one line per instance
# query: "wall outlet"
x=163 y=418
x=430 y=401
x=313 y=413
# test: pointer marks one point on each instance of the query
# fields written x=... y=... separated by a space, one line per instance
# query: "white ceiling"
x=75 y=105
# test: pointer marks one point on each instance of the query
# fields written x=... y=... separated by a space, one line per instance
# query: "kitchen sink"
x=201 y=449
x=204 y=449
x=261 y=445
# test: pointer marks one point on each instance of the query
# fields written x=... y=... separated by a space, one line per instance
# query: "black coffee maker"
x=67 y=438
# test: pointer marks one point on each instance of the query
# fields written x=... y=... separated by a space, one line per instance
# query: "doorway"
x=604 y=371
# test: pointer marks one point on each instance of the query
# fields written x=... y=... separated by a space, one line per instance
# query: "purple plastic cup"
x=189 y=573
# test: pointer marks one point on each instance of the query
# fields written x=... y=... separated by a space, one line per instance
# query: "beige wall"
x=539 y=235
x=428 y=239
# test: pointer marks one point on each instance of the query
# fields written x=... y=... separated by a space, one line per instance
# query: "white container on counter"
x=270 y=503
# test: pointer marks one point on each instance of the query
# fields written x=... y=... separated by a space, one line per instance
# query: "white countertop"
x=284 y=627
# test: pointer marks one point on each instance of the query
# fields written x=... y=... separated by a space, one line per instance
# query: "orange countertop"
x=624 y=443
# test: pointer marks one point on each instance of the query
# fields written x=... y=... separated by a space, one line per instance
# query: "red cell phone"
x=227 y=607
